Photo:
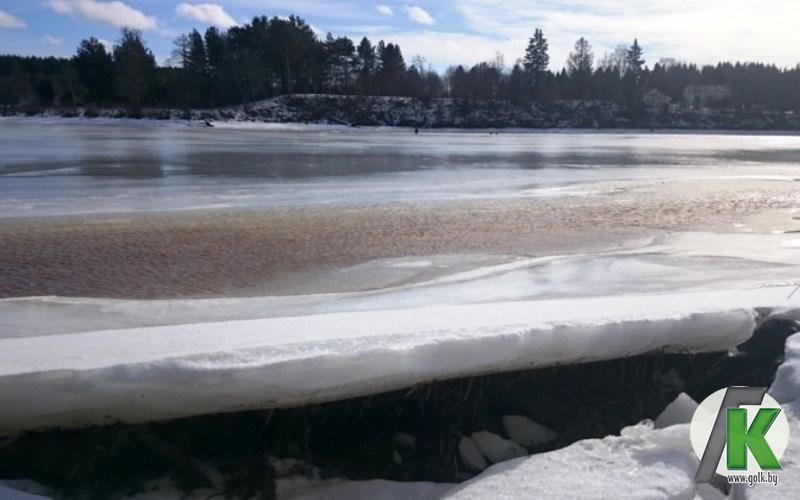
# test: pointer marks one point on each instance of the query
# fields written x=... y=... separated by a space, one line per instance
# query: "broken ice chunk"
x=470 y=455
x=680 y=411
x=526 y=432
x=497 y=449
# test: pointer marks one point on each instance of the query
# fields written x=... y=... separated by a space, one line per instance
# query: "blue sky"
x=445 y=33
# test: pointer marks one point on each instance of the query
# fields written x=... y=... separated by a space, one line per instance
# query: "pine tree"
x=632 y=82
x=95 y=69
x=340 y=61
x=135 y=67
x=634 y=62
x=198 y=61
x=537 y=58
x=366 y=62
x=392 y=68
x=536 y=61
x=366 y=57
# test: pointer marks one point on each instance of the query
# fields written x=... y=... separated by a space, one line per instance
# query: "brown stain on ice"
x=243 y=252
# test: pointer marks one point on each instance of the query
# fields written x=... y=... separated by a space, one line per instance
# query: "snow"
x=163 y=372
x=680 y=411
x=786 y=388
x=526 y=432
x=641 y=463
x=495 y=448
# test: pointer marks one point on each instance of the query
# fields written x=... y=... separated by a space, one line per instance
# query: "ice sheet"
x=165 y=372
x=158 y=166
x=690 y=262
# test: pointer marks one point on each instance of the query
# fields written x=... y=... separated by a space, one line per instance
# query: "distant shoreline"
x=440 y=114
x=254 y=126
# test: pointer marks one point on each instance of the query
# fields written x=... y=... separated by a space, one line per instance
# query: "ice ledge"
x=159 y=373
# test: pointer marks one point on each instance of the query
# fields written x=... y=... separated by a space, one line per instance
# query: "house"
x=656 y=100
x=702 y=96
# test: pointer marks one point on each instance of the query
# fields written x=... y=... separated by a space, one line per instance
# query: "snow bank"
x=156 y=373
x=642 y=463
x=786 y=390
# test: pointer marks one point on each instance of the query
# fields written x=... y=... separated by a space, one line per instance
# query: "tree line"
x=269 y=57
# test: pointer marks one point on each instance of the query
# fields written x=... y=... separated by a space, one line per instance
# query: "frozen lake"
x=367 y=260
x=69 y=167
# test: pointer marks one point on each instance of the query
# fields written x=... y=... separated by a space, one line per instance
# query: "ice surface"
x=696 y=261
x=163 y=372
x=680 y=411
x=83 y=361
x=148 y=166
x=526 y=432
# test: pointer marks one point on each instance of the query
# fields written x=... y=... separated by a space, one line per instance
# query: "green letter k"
x=740 y=438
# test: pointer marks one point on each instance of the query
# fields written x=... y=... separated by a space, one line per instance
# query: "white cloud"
x=333 y=9
x=445 y=49
x=419 y=15
x=114 y=13
x=385 y=10
x=10 y=22
x=53 y=41
x=108 y=44
x=206 y=13
x=701 y=32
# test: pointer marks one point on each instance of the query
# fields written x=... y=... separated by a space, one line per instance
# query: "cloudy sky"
x=445 y=33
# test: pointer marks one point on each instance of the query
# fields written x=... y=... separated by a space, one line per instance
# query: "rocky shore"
x=447 y=113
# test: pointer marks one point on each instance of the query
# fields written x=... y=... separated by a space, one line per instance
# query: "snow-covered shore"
x=354 y=110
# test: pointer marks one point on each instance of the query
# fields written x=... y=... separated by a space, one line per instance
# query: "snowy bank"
x=641 y=463
x=165 y=372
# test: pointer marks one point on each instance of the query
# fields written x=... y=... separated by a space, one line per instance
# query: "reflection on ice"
x=121 y=167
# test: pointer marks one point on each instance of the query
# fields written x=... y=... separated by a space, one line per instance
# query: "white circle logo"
x=757 y=434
